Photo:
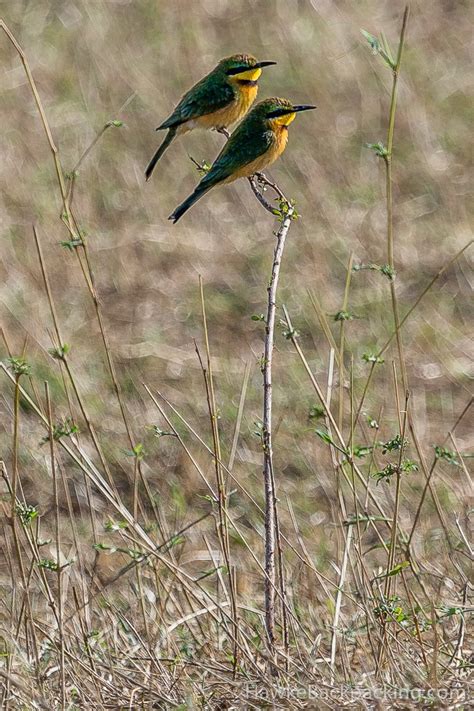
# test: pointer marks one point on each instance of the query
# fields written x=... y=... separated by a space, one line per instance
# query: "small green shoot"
x=378 y=148
x=393 y=445
x=60 y=352
x=66 y=428
x=316 y=412
x=373 y=358
x=447 y=455
x=377 y=48
x=26 y=513
x=19 y=366
x=344 y=316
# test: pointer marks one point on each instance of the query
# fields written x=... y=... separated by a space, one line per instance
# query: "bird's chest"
x=278 y=144
x=244 y=97
x=277 y=140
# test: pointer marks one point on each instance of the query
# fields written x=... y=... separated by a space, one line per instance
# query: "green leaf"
x=378 y=148
x=386 y=473
x=104 y=547
x=43 y=542
x=71 y=244
x=47 y=564
x=316 y=412
x=19 y=366
x=26 y=513
x=446 y=454
x=138 y=451
x=63 y=429
x=325 y=436
x=408 y=465
x=343 y=316
x=451 y=611
x=352 y=520
x=203 y=167
x=372 y=358
x=378 y=49
x=290 y=333
x=388 y=271
x=362 y=450
x=60 y=352
x=158 y=432
x=175 y=541
x=112 y=525
x=384 y=269
x=395 y=570
x=373 y=41
x=393 y=445
x=210 y=572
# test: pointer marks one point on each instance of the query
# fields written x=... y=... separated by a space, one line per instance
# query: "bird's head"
x=279 y=112
x=242 y=67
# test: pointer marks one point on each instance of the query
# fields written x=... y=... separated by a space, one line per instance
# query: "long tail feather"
x=189 y=202
x=151 y=165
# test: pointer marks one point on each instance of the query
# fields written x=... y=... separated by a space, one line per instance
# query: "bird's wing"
x=246 y=144
x=205 y=97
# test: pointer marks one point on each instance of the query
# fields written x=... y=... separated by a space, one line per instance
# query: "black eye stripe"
x=279 y=112
x=239 y=70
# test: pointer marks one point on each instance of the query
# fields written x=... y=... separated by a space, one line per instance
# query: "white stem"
x=337 y=608
x=268 y=476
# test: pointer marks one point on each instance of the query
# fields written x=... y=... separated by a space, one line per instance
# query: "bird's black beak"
x=303 y=107
x=259 y=65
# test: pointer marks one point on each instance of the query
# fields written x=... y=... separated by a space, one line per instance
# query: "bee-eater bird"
x=217 y=101
x=255 y=144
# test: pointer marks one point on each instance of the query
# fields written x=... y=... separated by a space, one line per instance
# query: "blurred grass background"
x=131 y=61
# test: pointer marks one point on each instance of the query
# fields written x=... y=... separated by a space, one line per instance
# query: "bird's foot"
x=222 y=130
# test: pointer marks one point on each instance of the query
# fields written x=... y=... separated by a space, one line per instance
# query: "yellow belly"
x=228 y=115
x=276 y=149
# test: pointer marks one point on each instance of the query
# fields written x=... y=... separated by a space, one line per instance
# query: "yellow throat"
x=249 y=75
x=283 y=120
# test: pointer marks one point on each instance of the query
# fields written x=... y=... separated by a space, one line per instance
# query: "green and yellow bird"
x=217 y=101
x=255 y=144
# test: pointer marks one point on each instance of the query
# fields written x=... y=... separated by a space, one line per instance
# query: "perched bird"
x=255 y=144
x=217 y=101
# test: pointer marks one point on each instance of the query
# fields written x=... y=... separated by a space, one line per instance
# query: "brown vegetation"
x=129 y=576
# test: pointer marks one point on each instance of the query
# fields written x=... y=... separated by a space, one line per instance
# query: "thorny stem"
x=260 y=179
x=392 y=551
x=73 y=174
x=29 y=619
x=58 y=546
x=341 y=342
x=389 y=191
x=272 y=532
x=268 y=472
